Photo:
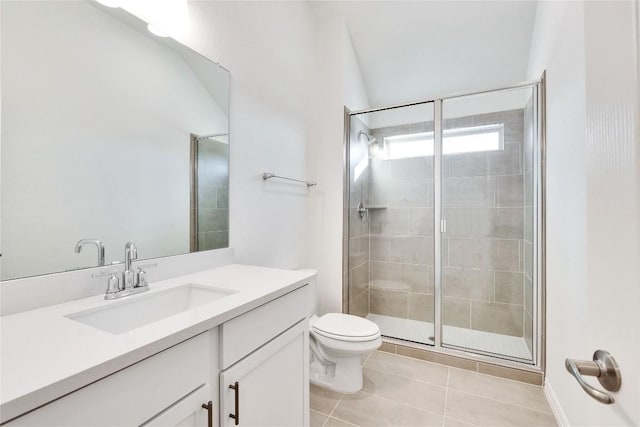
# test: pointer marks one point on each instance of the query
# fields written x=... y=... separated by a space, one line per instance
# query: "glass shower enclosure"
x=443 y=231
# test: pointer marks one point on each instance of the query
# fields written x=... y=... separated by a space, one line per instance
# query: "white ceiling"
x=415 y=50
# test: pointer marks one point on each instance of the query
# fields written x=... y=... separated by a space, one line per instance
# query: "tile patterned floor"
x=400 y=391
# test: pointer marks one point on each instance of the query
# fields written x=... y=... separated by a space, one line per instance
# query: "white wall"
x=76 y=163
x=339 y=84
x=353 y=89
x=268 y=48
x=593 y=161
x=563 y=57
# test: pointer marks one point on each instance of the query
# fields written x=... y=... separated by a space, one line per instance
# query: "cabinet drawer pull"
x=209 y=408
x=236 y=388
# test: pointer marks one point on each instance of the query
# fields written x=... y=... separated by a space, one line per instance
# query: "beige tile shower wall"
x=528 y=222
x=483 y=248
x=483 y=204
x=358 y=268
x=213 y=195
x=402 y=237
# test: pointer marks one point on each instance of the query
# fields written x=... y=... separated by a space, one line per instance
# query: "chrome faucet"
x=98 y=244
x=132 y=282
x=128 y=275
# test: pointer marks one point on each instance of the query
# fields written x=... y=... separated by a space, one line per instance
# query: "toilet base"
x=336 y=357
x=343 y=375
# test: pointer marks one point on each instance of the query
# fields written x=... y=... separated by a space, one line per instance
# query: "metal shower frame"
x=539 y=224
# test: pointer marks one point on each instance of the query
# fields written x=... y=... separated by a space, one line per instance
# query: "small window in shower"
x=454 y=141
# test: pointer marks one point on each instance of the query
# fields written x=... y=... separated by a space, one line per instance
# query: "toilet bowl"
x=338 y=342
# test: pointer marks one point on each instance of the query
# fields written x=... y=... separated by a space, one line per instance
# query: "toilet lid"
x=345 y=326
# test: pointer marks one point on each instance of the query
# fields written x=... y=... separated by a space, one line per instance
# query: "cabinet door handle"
x=236 y=416
x=209 y=408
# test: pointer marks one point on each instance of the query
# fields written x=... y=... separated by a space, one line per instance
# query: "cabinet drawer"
x=243 y=334
x=134 y=394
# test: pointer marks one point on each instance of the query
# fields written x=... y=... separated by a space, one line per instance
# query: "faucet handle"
x=105 y=273
x=142 y=274
x=113 y=284
x=142 y=267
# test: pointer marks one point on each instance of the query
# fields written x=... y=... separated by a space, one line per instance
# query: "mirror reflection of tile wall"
x=213 y=195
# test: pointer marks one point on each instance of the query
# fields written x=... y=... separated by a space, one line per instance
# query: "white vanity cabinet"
x=265 y=357
x=263 y=354
x=143 y=392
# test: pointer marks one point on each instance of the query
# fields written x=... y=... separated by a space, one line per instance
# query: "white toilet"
x=338 y=342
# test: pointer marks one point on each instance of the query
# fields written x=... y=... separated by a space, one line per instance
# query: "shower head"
x=370 y=139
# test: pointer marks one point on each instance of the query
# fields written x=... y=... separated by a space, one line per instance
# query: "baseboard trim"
x=561 y=418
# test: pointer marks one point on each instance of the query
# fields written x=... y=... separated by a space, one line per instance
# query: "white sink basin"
x=140 y=310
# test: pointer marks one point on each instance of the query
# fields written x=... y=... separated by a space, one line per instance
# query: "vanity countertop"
x=45 y=355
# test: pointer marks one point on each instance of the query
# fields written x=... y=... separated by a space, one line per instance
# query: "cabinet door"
x=194 y=410
x=269 y=387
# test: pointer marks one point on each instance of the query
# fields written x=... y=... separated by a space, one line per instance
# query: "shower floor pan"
x=420 y=332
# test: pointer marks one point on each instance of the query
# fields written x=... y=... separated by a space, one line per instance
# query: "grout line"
x=341 y=420
x=352 y=298
x=336 y=407
x=473 y=176
x=448 y=252
x=507 y=403
x=467 y=237
x=446 y=396
x=428 y=362
x=494 y=286
x=409 y=378
x=367 y=359
x=457 y=267
x=325 y=421
x=475 y=207
x=358 y=266
x=400 y=403
x=479 y=300
x=520 y=258
x=462 y=422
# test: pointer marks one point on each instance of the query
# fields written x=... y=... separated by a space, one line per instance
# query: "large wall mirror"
x=108 y=132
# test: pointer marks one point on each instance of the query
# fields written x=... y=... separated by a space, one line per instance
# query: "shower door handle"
x=604 y=367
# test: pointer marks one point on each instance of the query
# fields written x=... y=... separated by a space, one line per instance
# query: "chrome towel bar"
x=269 y=175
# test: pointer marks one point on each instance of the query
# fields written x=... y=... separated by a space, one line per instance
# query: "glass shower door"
x=391 y=220
x=488 y=217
